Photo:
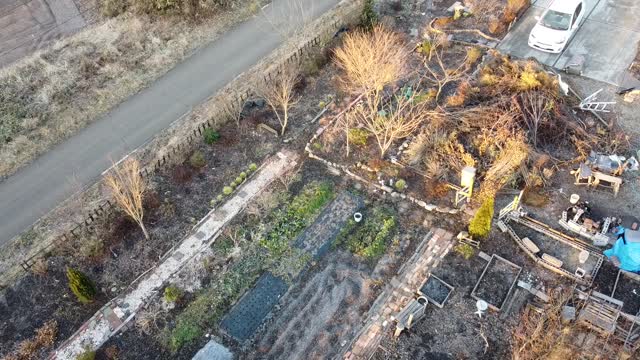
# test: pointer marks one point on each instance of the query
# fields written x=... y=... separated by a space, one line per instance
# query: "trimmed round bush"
x=197 y=159
x=210 y=136
x=81 y=286
x=401 y=185
x=172 y=293
x=239 y=180
x=253 y=167
x=243 y=175
x=227 y=190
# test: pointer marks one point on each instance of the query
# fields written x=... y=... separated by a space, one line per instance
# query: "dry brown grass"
x=541 y=334
x=371 y=60
x=50 y=95
x=31 y=348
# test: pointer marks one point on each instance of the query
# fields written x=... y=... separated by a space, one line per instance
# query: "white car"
x=556 y=25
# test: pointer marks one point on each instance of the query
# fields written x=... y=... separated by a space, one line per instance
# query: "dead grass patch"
x=50 y=95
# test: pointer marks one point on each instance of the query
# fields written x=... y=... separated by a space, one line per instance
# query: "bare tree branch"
x=371 y=60
x=279 y=94
x=392 y=121
x=128 y=188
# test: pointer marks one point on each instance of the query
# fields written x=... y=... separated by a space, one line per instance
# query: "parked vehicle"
x=557 y=25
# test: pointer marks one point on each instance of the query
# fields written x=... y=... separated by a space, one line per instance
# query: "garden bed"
x=436 y=290
x=496 y=282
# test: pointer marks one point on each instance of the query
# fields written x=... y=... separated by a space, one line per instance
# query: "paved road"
x=38 y=188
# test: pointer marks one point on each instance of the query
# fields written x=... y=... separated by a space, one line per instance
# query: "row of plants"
x=210 y=304
x=292 y=219
x=370 y=237
x=233 y=186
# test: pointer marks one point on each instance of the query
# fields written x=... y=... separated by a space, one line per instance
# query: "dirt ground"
x=117 y=253
x=318 y=312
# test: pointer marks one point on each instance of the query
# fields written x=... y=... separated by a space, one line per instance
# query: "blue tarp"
x=628 y=253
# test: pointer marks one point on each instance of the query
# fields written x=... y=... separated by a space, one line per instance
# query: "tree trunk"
x=144 y=230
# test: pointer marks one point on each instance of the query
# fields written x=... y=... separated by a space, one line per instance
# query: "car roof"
x=564 y=6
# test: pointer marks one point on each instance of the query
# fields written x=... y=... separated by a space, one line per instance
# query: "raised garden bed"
x=436 y=290
x=496 y=282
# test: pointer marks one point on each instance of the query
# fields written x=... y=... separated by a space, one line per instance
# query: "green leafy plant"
x=368 y=18
x=400 y=185
x=243 y=175
x=239 y=180
x=210 y=136
x=81 y=286
x=197 y=159
x=465 y=250
x=87 y=354
x=172 y=293
x=358 y=136
x=227 y=190
x=370 y=237
x=291 y=220
x=212 y=303
x=253 y=167
x=480 y=225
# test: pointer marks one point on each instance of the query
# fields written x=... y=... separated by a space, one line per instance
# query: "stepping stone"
x=552 y=260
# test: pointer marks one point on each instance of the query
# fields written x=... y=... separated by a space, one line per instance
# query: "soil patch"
x=435 y=290
x=318 y=312
x=628 y=291
x=496 y=282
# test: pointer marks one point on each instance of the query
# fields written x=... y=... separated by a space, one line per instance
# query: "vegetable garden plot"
x=247 y=316
x=496 y=282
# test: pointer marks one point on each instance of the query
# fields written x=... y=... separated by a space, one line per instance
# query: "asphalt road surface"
x=41 y=186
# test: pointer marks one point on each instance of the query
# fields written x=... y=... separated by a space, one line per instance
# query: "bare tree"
x=440 y=75
x=392 y=121
x=534 y=108
x=279 y=94
x=127 y=188
x=232 y=106
x=345 y=121
x=371 y=60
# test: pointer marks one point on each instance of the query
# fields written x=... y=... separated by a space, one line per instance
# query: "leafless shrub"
x=31 y=348
x=147 y=320
x=128 y=188
x=280 y=95
x=440 y=75
x=371 y=60
x=393 y=120
x=40 y=267
x=232 y=106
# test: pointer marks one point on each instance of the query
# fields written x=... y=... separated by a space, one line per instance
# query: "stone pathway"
x=400 y=290
x=120 y=311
